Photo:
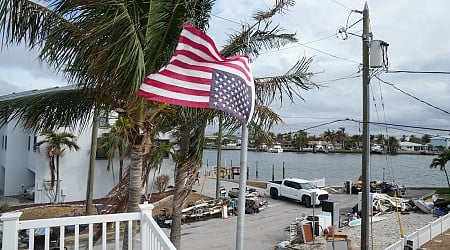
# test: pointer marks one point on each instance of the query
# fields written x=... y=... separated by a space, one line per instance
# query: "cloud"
x=415 y=30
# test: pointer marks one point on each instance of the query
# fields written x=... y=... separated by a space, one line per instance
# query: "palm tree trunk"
x=134 y=188
x=56 y=200
x=184 y=180
x=90 y=181
x=446 y=175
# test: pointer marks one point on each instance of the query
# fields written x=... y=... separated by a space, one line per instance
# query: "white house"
x=21 y=165
x=410 y=146
x=440 y=141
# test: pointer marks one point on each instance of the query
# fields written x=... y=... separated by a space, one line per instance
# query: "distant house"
x=410 y=146
x=22 y=166
x=440 y=141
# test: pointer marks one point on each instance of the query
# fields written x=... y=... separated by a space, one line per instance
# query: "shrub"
x=4 y=207
x=161 y=182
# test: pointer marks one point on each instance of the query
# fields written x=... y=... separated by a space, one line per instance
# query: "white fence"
x=422 y=235
x=151 y=236
x=320 y=183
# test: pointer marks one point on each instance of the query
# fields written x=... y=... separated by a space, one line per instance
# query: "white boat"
x=276 y=149
x=426 y=207
x=357 y=222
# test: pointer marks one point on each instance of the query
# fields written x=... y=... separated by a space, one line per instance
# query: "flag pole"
x=242 y=188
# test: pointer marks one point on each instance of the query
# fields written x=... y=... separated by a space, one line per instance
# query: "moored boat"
x=276 y=149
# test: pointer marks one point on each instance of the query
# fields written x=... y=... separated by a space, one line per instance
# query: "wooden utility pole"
x=366 y=203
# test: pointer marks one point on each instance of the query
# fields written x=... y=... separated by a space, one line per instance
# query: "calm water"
x=407 y=170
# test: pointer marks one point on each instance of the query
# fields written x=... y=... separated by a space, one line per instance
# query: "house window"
x=6 y=142
x=29 y=143
x=34 y=143
x=100 y=153
x=103 y=119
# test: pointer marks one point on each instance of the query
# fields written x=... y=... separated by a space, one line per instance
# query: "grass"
x=443 y=193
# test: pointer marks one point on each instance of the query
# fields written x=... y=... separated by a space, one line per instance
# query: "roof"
x=407 y=143
x=15 y=95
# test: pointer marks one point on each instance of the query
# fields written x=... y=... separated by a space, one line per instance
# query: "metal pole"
x=366 y=134
x=219 y=156
x=242 y=188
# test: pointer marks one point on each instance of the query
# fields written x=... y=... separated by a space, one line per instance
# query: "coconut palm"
x=55 y=146
x=106 y=48
x=440 y=162
x=117 y=139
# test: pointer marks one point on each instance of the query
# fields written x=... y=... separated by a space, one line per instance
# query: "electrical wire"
x=410 y=95
x=340 y=79
x=338 y=3
x=400 y=125
x=419 y=72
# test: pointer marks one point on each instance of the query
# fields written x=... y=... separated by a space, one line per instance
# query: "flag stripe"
x=200 y=49
x=201 y=38
x=190 y=58
x=188 y=77
x=172 y=81
x=174 y=89
x=182 y=100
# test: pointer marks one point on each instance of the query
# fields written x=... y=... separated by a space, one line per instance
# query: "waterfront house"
x=440 y=142
x=410 y=146
x=22 y=166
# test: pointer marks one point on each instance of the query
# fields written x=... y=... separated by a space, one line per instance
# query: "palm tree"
x=106 y=47
x=56 y=144
x=117 y=139
x=440 y=162
x=302 y=139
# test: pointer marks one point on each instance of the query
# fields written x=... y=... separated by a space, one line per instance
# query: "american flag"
x=199 y=76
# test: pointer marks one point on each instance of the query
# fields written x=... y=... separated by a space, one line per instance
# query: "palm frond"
x=251 y=40
x=290 y=84
x=280 y=7
x=51 y=110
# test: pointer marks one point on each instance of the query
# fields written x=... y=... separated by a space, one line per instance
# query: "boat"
x=276 y=149
x=357 y=222
x=376 y=149
x=426 y=207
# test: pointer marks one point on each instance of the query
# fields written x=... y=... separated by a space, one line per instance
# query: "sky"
x=418 y=38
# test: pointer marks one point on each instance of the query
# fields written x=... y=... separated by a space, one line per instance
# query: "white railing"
x=320 y=183
x=151 y=236
x=423 y=235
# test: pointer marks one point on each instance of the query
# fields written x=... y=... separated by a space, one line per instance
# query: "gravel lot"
x=266 y=229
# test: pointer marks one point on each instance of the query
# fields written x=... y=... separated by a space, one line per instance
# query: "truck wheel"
x=307 y=201
x=274 y=193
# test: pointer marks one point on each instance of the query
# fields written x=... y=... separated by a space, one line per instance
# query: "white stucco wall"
x=74 y=167
x=14 y=160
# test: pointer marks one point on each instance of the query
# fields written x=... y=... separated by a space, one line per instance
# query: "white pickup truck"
x=296 y=189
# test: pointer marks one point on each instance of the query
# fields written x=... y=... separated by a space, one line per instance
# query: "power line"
x=408 y=94
x=400 y=125
x=329 y=54
x=419 y=72
x=226 y=19
x=341 y=78
x=338 y=3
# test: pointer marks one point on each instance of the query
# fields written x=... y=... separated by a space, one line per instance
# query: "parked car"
x=28 y=192
x=297 y=189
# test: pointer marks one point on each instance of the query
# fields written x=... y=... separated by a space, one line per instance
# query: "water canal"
x=403 y=169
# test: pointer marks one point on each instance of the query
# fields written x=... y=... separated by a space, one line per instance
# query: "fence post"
x=10 y=228
x=146 y=210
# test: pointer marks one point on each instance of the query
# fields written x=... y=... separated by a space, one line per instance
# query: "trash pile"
x=223 y=207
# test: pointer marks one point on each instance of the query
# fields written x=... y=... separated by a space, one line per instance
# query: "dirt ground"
x=441 y=242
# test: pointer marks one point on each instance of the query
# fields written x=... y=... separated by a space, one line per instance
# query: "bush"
x=161 y=182
x=4 y=207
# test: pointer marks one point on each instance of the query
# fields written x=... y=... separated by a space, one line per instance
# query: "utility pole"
x=366 y=203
